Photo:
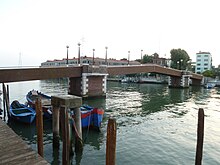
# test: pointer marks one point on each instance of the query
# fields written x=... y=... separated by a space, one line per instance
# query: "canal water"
x=155 y=124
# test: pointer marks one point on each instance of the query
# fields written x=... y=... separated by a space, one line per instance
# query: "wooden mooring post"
x=39 y=125
x=5 y=99
x=65 y=134
x=56 y=122
x=4 y=108
x=111 y=142
x=61 y=106
x=200 y=137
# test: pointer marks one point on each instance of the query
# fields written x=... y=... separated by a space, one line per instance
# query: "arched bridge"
x=149 y=68
x=88 y=80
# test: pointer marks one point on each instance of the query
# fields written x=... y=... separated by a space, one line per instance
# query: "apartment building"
x=203 y=62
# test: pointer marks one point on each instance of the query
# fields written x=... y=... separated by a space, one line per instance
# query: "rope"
x=87 y=132
x=75 y=130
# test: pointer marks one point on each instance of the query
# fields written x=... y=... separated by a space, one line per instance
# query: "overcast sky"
x=39 y=30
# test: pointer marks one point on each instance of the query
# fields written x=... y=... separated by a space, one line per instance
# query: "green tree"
x=217 y=72
x=147 y=59
x=209 y=73
x=179 y=59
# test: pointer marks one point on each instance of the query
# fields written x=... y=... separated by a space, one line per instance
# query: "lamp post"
x=67 y=58
x=79 y=54
x=188 y=65
x=141 y=56
x=93 y=58
x=106 y=48
x=177 y=65
x=128 y=57
x=181 y=64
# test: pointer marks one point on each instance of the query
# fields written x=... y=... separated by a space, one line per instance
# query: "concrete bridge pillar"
x=92 y=83
x=174 y=82
x=196 y=82
x=180 y=82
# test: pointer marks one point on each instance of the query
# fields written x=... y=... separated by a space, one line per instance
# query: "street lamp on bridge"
x=67 y=58
x=106 y=48
x=181 y=63
x=93 y=57
x=177 y=65
x=141 y=56
x=79 y=54
x=128 y=57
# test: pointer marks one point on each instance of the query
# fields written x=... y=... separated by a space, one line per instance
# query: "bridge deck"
x=13 y=150
x=28 y=74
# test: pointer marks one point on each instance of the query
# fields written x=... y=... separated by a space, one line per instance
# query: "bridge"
x=89 y=80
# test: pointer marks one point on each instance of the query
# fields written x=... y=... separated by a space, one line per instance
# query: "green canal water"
x=155 y=124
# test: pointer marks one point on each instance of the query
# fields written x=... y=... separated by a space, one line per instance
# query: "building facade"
x=158 y=60
x=87 y=60
x=203 y=62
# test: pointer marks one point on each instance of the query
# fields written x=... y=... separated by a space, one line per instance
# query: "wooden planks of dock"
x=13 y=150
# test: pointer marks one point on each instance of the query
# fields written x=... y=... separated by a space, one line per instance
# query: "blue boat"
x=91 y=117
x=45 y=100
x=209 y=85
x=21 y=112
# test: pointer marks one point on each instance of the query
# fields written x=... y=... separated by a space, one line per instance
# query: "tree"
x=179 y=59
x=217 y=72
x=147 y=59
x=209 y=73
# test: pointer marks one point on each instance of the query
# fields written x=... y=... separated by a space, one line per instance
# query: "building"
x=87 y=60
x=203 y=62
x=158 y=60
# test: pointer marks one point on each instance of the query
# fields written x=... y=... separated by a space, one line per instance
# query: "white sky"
x=39 y=30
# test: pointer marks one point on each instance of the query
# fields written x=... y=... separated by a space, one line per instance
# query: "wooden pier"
x=13 y=150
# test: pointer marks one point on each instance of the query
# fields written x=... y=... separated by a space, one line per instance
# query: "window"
x=198 y=55
x=198 y=59
x=206 y=60
x=206 y=55
x=205 y=64
x=198 y=68
x=198 y=64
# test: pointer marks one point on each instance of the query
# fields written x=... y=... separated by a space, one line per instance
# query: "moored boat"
x=209 y=85
x=91 y=116
x=45 y=100
x=21 y=112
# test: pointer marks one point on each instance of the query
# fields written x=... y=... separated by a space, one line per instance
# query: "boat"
x=91 y=116
x=45 y=101
x=150 y=80
x=209 y=85
x=21 y=112
x=129 y=80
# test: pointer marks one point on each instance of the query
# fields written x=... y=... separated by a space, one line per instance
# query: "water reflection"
x=153 y=121
x=26 y=131
x=54 y=86
x=143 y=99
